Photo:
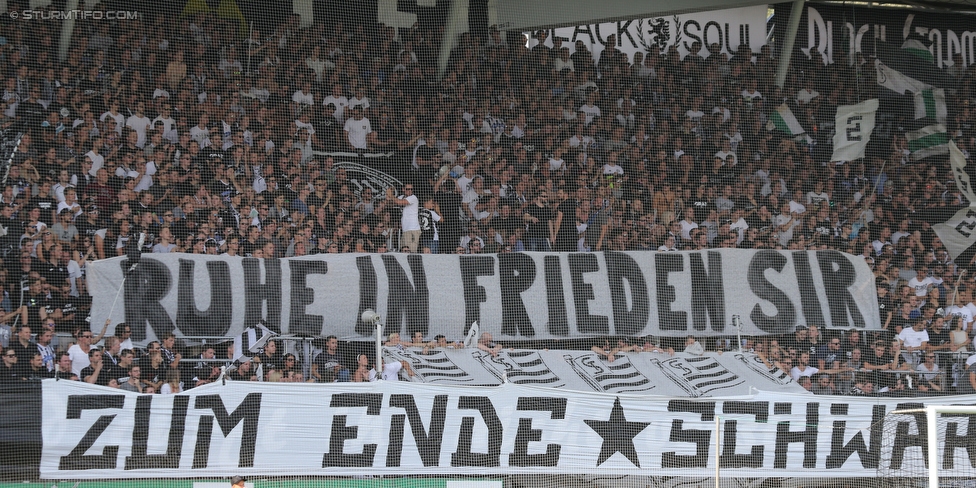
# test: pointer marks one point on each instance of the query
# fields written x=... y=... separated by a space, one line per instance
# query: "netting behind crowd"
x=241 y=130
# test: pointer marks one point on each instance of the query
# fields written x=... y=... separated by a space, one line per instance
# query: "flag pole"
x=874 y=192
x=250 y=35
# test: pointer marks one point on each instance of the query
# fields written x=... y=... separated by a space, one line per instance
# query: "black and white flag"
x=522 y=367
x=620 y=376
x=435 y=367
x=698 y=376
x=250 y=342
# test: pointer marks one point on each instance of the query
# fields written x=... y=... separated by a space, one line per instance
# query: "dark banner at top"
x=834 y=32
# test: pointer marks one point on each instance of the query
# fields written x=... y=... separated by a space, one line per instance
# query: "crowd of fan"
x=210 y=142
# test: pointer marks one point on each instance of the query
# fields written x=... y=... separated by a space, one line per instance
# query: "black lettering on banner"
x=526 y=434
x=744 y=35
x=336 y=458
x=665 y=264
x=700 y=437
x=216 y=320
x=955 y=441
x=248 y=413
x=139 y=459
x=555 y=297
x=258 y=293
x=516 y=273
x=807 y=436
x=905 y=440
x=840 y=452
x=623 y=30
x=965 y=227
x=580 y=263
x=707 y=292
x=809 y=302
x=585 y=30
x=474 y=294
x=596 y=28
x=405 y=302
x=692 y=37
x=728 y=457
x=854 y=127
x=464 y=456
x=428 y=442
x=367 y=293
x=299 y=322
x=77 y=459
x=718 y=27
x=785 y=317
x=145 y=286
x=837 y=284
x=621 y=267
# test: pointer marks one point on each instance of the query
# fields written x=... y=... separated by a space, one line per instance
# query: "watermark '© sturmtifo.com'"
x=73 y=14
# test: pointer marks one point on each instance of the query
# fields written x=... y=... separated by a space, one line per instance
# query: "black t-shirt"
x=450 y=204
x=538 y=230
x=55 y=274
x=427 y=224
x=10 y=375
x=103 y=376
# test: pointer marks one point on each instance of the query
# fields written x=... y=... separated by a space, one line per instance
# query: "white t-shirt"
x=391 y=371
x=97 y=162
x=79 y=359
x=590 y=111
x=912 y=338
x=357 y=130
x=139 y=124
x=686 y=228
x=921 y=287
x=797 y=374
x=410 y=220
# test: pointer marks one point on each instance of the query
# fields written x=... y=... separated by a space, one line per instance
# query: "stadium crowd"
x=212 y=142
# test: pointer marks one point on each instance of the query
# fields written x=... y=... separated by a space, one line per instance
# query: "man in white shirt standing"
x=410 y=220
x=139 y=123
x=357 y=129
x=922 y=282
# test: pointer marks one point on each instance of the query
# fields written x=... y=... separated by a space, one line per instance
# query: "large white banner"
x=397 y=428
x=854 y=126
x=728 y=28
x=514 y=296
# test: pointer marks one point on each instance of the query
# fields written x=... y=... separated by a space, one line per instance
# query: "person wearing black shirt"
x=9 y=372
x=880 y=360
x=35 y=369
x=23 y=346
x=537 y=217
x=449 y=203
x=97 y=373
x=14 y=228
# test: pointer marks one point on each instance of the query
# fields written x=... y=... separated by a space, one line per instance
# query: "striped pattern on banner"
x=928 y=141
x=436 y=367
x=619 y=376
x=519 y=367
x=698 y=376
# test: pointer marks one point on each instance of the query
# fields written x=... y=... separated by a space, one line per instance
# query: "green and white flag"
x=931 y=103
x=896 y=81
x=928 y=141
x=854 y=126
x=917 y=49
x=783 y=120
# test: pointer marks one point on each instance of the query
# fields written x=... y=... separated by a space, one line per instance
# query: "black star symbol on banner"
x=618 y=434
